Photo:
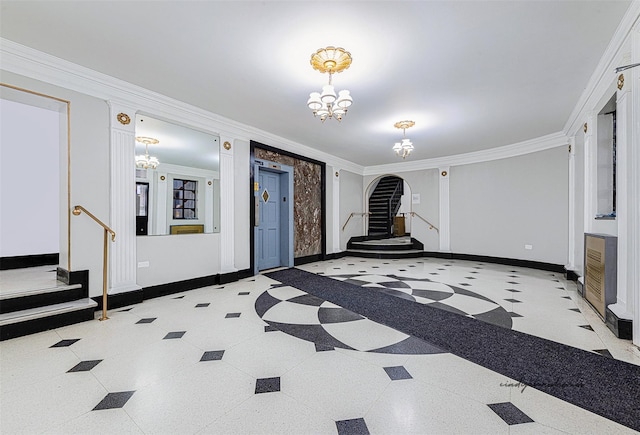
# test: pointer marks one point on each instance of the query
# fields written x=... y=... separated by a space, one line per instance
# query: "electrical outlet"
x=143 y=264
x=528 y=247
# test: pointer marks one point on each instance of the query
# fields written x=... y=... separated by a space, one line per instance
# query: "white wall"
x=177 y=257
x=497 y=207
x=351 y=201
x=29 y=183
x=89 y=120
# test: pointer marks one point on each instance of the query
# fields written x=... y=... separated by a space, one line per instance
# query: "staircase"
x=384 y=203
x=393 y=247
x=41 y=298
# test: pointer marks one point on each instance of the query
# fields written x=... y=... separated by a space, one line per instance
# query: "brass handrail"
x=431 y=226
x=352 y=215
x=76 y=212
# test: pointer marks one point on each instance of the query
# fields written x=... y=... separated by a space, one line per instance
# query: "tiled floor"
x=251 y=357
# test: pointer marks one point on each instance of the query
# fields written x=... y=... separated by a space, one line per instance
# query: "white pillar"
x=122 y=258
x=571 y=255
x=590 y=173
x=633 y=189
x=623 y=148
x=445 y=236
x=227 y=195
x=336 y=210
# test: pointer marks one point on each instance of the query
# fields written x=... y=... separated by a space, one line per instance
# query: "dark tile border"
x=21 y=261
x=622 y=328
x=499 y=260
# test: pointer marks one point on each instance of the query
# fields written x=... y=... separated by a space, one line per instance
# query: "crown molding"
x=529 y=146
x=604 y=75
x=25 y=61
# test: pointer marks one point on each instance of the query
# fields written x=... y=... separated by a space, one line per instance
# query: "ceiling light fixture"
x=327 y=104
x=146 y=162
x=405 y=147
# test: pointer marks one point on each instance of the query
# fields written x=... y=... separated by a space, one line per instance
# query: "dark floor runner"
x=602 y=385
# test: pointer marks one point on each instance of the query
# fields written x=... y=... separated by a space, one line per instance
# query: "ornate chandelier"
x=327 y=104
x=405 y=147
x=146 y=162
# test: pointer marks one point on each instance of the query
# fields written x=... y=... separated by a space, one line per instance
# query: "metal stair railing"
x=76 y=212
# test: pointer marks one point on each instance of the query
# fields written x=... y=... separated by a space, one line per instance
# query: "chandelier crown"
x=404 y=147
x=328 y=104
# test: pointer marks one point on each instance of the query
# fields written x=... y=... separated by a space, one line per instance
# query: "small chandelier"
x=146 y=162
x=405 y=147
x=327 y=104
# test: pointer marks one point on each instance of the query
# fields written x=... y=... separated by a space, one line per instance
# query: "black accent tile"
x=232 y=315
x=410 y=346
x=475 y=271
x=397 y=373
x=587 y=327
x=65 y=343
x=394 y=284
x=307 y=300
x=577 y=310
x=146 y=320
x=512 y=290
x=323 y=347
x=515 y=301
x=212 y=355
x=176 y=334
x=402 y=270
x=560 y=288
x=512 y=314
x=202 y=305
x=267 y=385
x=126 y=309
x=362 y=271
x=178 y=297
x=412 y=265
x=466 y=284
x=476 y=267
x=498 y=316
x=434 y=273
x=512 y=282
x=566 y=297
x=469 y=277
x=434 y=295
x=604 y=352
x=244 y=293
x=514 y=276
x=336 y=315
x=510 y=413
x=114 y=400
x=356 y=426
x=375 y=267
x=270 y=328
x=85 y=366
x=442 y=269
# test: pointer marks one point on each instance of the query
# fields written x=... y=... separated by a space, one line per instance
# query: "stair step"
x=34 y=298
x=25 y=322
x=414 y=253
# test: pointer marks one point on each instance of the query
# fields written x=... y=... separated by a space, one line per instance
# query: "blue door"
x=269 y=226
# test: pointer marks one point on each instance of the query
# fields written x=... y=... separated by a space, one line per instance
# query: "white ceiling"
x=473 y=75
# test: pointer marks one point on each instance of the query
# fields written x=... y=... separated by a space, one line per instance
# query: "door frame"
x=286 y=210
